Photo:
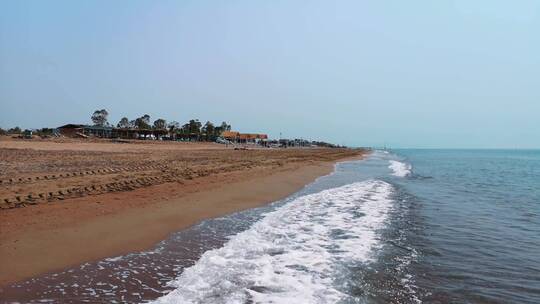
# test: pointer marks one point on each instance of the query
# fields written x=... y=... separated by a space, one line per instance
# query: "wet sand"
x=54 y=233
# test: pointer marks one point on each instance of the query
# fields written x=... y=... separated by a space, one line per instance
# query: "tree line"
x=15 y=130
x=192 y=128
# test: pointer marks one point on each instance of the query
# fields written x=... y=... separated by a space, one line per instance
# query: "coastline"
x=65 y=235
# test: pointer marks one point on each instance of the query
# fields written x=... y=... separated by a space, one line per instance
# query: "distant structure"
x=77 y=130
x=234 y=137
x=244 y=138
x=230 y=135
x=71 y=130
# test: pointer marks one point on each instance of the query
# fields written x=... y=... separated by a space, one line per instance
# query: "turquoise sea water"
x=404 y=226
x=480 y=216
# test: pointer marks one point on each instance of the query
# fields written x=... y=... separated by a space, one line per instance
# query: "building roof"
x=243 y=136
x=97 y=128
x=229 y=134
x=248 y=136
x=79 y=126
x=71 y=126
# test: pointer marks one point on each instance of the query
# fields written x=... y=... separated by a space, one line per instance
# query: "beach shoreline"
x=50 y=237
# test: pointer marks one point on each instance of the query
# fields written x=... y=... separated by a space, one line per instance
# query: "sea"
x=400 y=226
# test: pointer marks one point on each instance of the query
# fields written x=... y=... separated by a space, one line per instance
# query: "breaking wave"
x=400 y=169
x=295 y=252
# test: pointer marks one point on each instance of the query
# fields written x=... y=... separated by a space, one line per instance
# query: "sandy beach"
x=78 y=201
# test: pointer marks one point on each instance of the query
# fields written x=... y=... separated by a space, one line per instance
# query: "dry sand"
x=118 y=198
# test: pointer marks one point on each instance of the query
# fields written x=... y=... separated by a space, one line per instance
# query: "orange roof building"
x=243 y=137
x=230 y=135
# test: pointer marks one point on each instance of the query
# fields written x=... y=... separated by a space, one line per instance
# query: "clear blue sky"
x=402 y=73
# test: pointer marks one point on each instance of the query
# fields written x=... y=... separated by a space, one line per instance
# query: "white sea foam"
x=292 y=254
x=400 y=169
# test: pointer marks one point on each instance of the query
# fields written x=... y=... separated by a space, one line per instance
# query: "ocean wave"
x=400 y=169
x=293 y=254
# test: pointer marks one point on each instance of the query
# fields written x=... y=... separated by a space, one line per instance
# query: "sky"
x=405 y=74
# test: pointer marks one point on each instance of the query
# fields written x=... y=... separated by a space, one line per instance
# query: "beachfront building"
x=245 y=138
x=77 y=130
x=231 y=136
x=70 y=130
x=134 y=133
x=98 y=131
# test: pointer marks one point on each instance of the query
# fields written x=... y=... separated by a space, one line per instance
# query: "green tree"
x=15 y=130
x=173 y=126
x=208 y=129
x=160 y=124
x=124 y=123
x=225 y=126
x=194 y=126
x=142 y=122
x=185 y=128
x=99 y=118
x=44 y=132
x=146 y=119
